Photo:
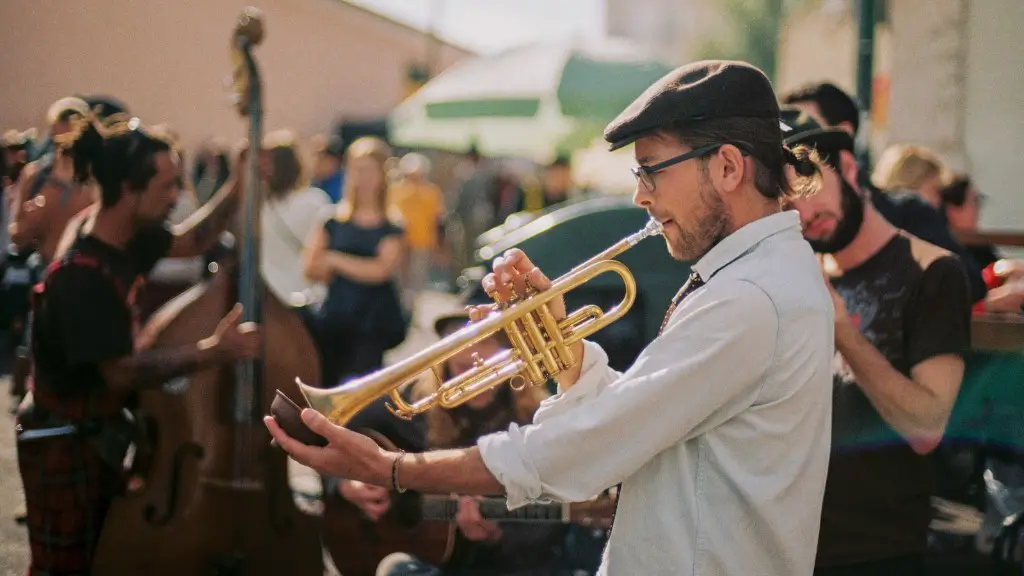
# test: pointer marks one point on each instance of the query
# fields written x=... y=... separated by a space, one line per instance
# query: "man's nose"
x=641 y=196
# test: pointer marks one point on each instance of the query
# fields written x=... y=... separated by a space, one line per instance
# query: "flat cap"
x=804 y=130
x=693 y=93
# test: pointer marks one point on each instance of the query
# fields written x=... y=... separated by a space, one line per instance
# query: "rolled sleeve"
x=686 y=381
x=502 y=452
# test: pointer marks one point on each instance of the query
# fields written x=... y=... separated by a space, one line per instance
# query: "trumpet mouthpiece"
x=653 y=228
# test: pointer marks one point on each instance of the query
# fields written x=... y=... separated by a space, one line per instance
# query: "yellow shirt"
x=421 y=205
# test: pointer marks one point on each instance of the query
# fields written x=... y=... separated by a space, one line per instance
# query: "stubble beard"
x=691 y=245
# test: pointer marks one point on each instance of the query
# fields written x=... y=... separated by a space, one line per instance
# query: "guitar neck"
x=440 y=508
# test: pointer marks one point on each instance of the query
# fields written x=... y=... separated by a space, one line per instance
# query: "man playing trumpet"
x=719 y=433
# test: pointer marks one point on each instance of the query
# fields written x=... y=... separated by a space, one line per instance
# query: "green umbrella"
x=534 y=101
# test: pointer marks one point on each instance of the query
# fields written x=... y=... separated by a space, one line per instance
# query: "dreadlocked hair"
x=113 y=153
x=761 y=139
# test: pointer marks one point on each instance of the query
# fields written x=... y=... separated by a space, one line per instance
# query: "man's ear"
x=728 y=168
x=848 y=167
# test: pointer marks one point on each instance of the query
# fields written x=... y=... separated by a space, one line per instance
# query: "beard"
x=847 y=226
x=691 y=245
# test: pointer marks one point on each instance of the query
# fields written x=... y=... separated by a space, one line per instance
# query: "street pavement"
x=13 y=546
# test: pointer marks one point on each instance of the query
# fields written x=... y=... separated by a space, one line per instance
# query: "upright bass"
x=215 y=497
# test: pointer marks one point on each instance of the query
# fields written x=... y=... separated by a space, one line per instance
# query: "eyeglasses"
x=645 y=174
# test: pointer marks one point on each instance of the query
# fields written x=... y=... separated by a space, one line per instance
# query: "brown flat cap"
x=693 y=93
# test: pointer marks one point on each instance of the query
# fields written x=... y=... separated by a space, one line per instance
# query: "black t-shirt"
x=909 y=212
x=85 y=318
x=911 y=302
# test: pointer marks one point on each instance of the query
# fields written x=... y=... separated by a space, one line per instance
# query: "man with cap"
x=902 y=328
x=831 y=107
x=719 y=433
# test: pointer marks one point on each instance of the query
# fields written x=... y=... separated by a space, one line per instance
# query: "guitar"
x=424 y=525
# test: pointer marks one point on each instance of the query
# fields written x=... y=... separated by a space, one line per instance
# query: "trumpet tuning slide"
x=287 y=414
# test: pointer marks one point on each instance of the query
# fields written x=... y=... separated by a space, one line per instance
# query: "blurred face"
x=831 y=218
x=692 y=214
x=557 y=180
x=366 y=178
x=59 y=129
x=155 y=203
x=464 y=361
x=326 y=165
x=965 y=217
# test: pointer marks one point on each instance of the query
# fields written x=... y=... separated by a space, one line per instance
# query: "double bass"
x=214 y=497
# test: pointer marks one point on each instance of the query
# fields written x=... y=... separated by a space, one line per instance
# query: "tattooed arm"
x=148 y=368
x=198 y=233
x=151 y=368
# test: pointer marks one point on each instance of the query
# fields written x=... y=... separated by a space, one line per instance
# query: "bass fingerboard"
x=439 y=508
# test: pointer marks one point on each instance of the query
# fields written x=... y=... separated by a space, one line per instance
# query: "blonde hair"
x=909 y=166
x=377 y=150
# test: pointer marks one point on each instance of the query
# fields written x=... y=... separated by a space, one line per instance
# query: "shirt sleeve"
x=602 y=430
x=939 y=322
x=89 y=315
x=312 y=210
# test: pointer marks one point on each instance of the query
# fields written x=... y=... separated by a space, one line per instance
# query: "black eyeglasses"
x=645 y=174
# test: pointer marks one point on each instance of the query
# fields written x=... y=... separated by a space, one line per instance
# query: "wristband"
x=394 y=472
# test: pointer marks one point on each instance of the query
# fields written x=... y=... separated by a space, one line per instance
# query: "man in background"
x=421 y=204
x=902 y=330
x=830 y=106
x=328 y=174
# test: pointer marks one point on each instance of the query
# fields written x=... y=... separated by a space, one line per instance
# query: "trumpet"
x=540 y=346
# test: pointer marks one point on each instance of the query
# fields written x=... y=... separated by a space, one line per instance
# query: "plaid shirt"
x=68 y=486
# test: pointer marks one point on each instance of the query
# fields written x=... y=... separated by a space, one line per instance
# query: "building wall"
x=993 y=131
x=673 y=30
x=820 y=44
x=322 y=61
x=954 y=72
x=929 y=43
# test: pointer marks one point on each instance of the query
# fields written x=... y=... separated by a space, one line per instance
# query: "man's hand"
x=842 y=315
x=512 y=279
x=374 y=501
x=473 y=525
x=232 y=340
x=1008 y=298
x=347 y=454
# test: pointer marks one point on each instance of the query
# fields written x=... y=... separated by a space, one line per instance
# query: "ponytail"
x=806 y=165
x=86 y=152
x=112 y=153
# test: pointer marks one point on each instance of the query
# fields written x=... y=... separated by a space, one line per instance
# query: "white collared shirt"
x=719 y=432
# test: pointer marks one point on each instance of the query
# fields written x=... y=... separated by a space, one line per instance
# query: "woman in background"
x=291 y=210
x=358 y=254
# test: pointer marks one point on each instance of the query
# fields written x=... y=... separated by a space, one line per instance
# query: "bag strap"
x=282 y=227
x=77 y=258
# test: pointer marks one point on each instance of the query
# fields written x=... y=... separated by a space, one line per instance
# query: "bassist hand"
x=472 y=523
x=234 y=341
x=374 y=501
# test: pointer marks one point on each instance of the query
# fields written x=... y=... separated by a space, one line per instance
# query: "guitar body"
x=357 y=544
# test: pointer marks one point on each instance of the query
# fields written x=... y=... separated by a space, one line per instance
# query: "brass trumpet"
x=540 y=346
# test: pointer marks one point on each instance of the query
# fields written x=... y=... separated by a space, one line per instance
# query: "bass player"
x=72 y=433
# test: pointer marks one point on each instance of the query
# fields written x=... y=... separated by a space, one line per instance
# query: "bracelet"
x=394 y=472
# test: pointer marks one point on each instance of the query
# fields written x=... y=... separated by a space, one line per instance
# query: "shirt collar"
x=743 y=240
